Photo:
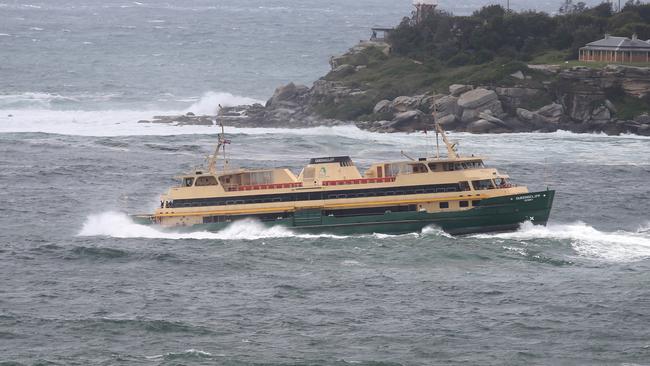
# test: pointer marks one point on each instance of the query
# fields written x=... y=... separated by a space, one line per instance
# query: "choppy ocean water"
x=81 y=284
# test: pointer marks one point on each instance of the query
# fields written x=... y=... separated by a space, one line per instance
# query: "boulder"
x=404 y=103
x=480 y=126
x=513 y=98
x=457 y=89
x=476 y=101
x=492 y=119
x=643 y=119
x=289 y=92
x=384 y=106
x=343 y=70
x=601 y=113
x=426 y=103
x=553 y=110
x=476 y=98
x=518 y=75
x=447 y=105
x=448 y=122
x=525 y=114
x=409 y=121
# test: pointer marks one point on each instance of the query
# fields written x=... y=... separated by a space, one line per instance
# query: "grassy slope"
x=387 y=77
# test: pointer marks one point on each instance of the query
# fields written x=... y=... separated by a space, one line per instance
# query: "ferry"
x=458 y=194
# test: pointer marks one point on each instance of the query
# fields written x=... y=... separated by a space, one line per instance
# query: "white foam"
x=119 y=225
x=351 y=263
x=32 y=99
x=435 y=231
x=619 y=246
x=191 y=351
x=210 y=101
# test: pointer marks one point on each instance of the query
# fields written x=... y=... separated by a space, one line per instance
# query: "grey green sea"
x=81 y=284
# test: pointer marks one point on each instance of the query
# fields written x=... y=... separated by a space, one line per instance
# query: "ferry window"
x=419 y=168
x=433 y=167
x=391 y=170
x=206 y=181
x=476 y=203
x=464 y=186
x=188 y=182
x=464 y=204
x=483 y=184
x=444 y=204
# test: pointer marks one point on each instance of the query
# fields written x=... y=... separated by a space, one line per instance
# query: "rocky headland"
x=402 y=86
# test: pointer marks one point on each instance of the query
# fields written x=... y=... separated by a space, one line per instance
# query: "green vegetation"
x=627 y=107
x=493 y=32
x=485 y=48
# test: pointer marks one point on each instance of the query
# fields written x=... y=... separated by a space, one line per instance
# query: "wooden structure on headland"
x=617 y=50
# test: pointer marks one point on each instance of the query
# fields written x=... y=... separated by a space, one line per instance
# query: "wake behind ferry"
x=458 y=194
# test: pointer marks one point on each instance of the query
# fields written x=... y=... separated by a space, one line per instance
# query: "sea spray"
x=119 y=225
x=618 y=246
x=210 y=102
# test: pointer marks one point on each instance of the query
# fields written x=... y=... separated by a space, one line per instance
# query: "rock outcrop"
x=577 y=99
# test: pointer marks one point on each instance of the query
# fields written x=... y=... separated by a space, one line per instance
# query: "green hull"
x=494 y=214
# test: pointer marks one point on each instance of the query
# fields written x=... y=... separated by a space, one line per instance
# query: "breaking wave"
x=118 y=225
x=210 y=102
x=618 y=246
x=189 y=354
x=33 y=100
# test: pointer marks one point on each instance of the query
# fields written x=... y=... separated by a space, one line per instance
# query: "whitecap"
x=351 y=263
x=191 y=352
x=119 y=225
x=617 y=246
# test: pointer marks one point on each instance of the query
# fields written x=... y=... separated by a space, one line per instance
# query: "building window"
x=444 y=204
x=464 y=204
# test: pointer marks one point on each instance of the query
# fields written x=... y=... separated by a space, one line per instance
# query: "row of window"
x=314 y=196
x=444 y=205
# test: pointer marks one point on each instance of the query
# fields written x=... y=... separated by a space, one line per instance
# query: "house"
x=617 y=49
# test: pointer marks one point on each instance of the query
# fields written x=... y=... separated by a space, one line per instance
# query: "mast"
x=435 y=122
x=451 y=148
x=221 y=145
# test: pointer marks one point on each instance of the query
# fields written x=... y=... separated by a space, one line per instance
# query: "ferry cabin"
x=332 y=186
